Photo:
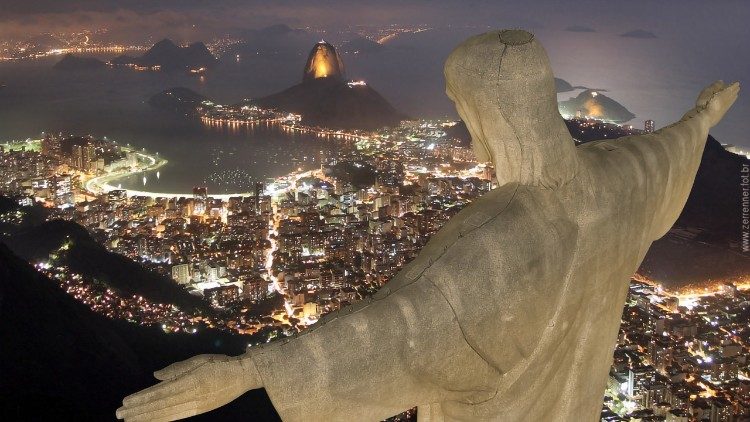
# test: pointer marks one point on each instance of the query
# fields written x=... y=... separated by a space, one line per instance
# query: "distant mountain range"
x=72 y=62
x=170 y=56
x=561 y=85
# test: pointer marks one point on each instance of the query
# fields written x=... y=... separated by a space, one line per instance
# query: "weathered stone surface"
x=511 y=311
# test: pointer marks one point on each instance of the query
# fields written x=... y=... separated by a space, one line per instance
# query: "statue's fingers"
x=735 y=90
x=166 y=415
x=731 y=88
x=709 y=91
x=715 y=87
x=728 y=95
x=184 y=398
x=180 y=368
x=735 y=87
x=162 y=390
x=171 y=413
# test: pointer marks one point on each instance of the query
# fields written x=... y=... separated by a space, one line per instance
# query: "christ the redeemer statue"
x=511 y=311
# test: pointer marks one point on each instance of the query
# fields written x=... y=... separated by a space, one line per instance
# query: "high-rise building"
x=638 y=378
x=200 y=192
x=83 y=157
x=200 y=199
x=677 y=415
x=181 y=273
x=51 y=145
x=62 y=192
x=142 y=247
x=259 y=189
x=254 y=288
x=222 y=295
x=212 y=272
x=648 y=126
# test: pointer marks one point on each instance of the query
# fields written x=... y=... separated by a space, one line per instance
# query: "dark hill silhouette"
x=164 y=50
x=177 y=99
x=90 y=259
x=677 y=261
x=561 y=85
x=49 y=338
x=325 y=99
x=279 y=41
x=361 y=45
x=123 y=59
x=332 y=103
x=71 y=62
x=61 y=361
x=715 y=203
x=170 y=56
x=705 y=244
x=32 y=216
x=595 y=104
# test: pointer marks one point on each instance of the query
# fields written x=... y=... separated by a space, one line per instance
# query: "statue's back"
x=537 y=279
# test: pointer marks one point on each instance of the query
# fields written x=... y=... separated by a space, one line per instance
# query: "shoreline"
x=103 y=184
x=97 y=185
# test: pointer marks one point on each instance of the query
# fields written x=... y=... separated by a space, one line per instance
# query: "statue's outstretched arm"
x=371 y=361
x=668 y=159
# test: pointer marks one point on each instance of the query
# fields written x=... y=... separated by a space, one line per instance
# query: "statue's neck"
x=537 y=153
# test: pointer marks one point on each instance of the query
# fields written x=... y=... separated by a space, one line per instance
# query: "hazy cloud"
x=639 y=33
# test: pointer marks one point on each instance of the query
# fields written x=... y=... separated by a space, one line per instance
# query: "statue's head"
x=504 y=90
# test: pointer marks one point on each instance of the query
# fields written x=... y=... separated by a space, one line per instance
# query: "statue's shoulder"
x=534 y=226
x=482 y=211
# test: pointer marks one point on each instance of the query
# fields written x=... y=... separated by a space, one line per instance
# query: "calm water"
x=112 y=103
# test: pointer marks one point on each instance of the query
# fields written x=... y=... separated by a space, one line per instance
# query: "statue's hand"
x=716 y=99
x=191 y=387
